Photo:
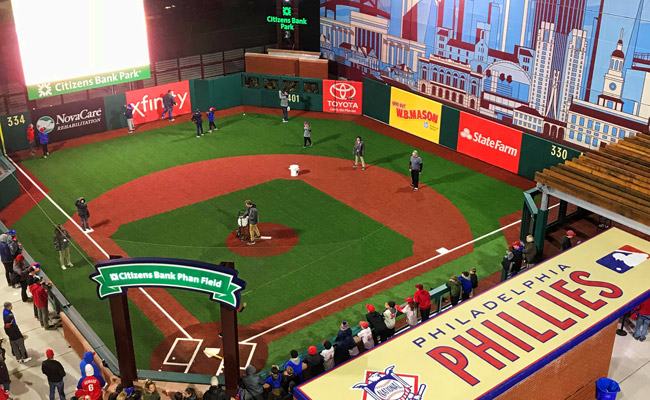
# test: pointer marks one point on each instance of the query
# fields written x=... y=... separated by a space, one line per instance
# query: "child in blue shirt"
x=211 y=119
x=274 y=383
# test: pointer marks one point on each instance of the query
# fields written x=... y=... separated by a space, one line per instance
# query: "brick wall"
x=573 y=375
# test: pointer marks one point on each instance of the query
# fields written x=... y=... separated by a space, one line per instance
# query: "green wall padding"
x=252 y=97
x=376 y=100
x=299 y=97
x=114 y=106
x=225 y=92
x=9 y=188
x=449 y=127
x=537 y=154
x=14 y=131
x=200 y=94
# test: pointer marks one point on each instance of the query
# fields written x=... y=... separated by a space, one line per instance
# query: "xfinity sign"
x=342 y=96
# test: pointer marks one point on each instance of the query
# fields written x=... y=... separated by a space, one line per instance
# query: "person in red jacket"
x=40 y=295
x=90 y=385
x=423 y=298
x=30 y=138
x=642 y=321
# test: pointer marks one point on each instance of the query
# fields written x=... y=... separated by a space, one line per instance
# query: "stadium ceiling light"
x=170 y=6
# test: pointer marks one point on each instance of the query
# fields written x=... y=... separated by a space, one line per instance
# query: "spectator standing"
x=61 y=242
x=390 y=312
x=290 y=380
x=151 y=393
x=415 y=167
x=5 y=379
x=253 y=383
x=16 y=339
x=466 y=284
x=455 y=288
x=642 y=321
x=410 y=310
x=91 y=384
x=345 y=345
x=30 y=138
x=88 y=359
x=306 y=135
x=211 y=120
x=328 y=355
x=14 y=245
x=6 y=311
x=377 y=324
x=512 y=260
x=198 y=120
x=296 y=363
x=273 y=383
x=566 y=240
x=55 y=373
x=253 y=220
x=314 y=362
x=359 y=152
x=128 y=113
x=474 y=279
x=21 y=271
x=7 y=258
x=284 y=103
x=530 y=251
x=84 y=214
x=168 y=104
x=423 y=299
x=44 y=139
x=366 y=335
x=40 y=296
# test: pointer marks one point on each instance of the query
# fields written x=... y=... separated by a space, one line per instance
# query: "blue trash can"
x=607 y=389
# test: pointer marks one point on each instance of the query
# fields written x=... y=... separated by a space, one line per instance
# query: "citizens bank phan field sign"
x=114 y=277
x=482 y=347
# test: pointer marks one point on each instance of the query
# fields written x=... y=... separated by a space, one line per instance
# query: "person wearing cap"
x=513 y=258
x=30 y=138
x=284 y=103
x=61 y=242
x=128 y=113
x=253 y=220
x=296 y=363
x=211 y=120
x=415 y=167
x=314 y=363
x=253 y=383
x=40 y=296
x=21 y=270
x=168 y=105
x=198 y=120
x=359 y=151
x=84 y=214
x=454 y=289
x=365 y=334
x=566 y=240
x=44 y=139
x=88 y=359
x=214 y=392
x=345 y=345
x=423 y=299
x=328 y=355
x=377 y=324
x=273 y=384
x=16 y=339
x=90 y=384
x=410 y=310
x=55 y=373
x=474 y=279
x=466 y=285
x=306 y=135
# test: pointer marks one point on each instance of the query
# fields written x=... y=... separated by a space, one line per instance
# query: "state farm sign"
x=342 y=97
x=490 y=142
x=148 y=102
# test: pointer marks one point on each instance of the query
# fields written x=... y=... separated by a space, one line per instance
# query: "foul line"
x=382 y=280
x=96 y=244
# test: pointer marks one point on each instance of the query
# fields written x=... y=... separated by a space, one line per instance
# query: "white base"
x=442 y=250
x=266 y=237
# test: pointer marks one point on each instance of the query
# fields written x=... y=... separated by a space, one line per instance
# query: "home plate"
x=442 y=250
x=266 y=237
x=212 y=352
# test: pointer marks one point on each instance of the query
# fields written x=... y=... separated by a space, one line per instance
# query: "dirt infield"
x=283 y=239
x=378 y=193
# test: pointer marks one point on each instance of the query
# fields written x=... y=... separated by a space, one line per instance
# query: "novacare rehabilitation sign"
x=115 y=276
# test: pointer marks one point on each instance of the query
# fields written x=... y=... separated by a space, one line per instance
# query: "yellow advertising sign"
x=414 y=114
x=483 y=346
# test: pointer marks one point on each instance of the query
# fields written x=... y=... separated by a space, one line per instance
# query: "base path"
x=426 y=217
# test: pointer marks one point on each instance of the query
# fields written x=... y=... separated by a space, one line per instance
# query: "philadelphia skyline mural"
x=572 y=71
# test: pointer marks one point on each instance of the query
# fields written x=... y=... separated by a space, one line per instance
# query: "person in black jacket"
x=197 y=118
x=566 y=240
x=377 y=325
x=415 y=167
x=359 y=151
x=344 y=342
x=55 y=373
x=215 y=392
x=84 y=214
x=314 y=363
x=16 y=339
x=168 y=104
x=128 y=113
x=5 y=380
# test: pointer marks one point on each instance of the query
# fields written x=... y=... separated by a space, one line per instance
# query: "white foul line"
x=95 y=243
x=381 y=280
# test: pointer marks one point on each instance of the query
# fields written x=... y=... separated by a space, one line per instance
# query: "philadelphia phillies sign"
x=114 y=277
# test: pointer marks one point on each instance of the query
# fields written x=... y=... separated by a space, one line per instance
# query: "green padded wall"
x=14 y=131
x=449 y=127
x=200 y=94
x=538 y=153
x=9 y=188
x=114 y=106
x=225 y=92
x=299 y=99
x=376 y=100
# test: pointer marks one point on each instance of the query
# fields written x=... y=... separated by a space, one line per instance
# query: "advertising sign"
x=71 y=120
x=489 y=141
x=484 y=346
x=148 y=102
x=115 y=276
x=342 y=97
x=414 y=114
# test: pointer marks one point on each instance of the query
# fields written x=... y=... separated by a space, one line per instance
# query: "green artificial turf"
x=93 y=169
x=329 y=253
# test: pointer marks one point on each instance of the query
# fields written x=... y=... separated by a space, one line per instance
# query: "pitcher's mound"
x=282 y=239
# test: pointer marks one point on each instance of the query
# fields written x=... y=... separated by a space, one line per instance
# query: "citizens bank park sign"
x=114 y=277
x=484 y=346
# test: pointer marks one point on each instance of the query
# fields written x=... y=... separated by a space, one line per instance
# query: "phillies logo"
x=343 y=91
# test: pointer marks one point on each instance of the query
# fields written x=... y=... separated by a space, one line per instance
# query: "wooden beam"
x=606 y=184
x=623 y=170
x=615 y=177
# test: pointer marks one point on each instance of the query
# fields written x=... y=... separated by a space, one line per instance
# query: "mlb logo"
x=623 y=259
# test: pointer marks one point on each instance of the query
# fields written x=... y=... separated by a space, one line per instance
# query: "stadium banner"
x=343 y=97
x=415 y=114
x=71 y=120
x=47 y=89
x=148 y=105
x=488 y=141
x=486 y=345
